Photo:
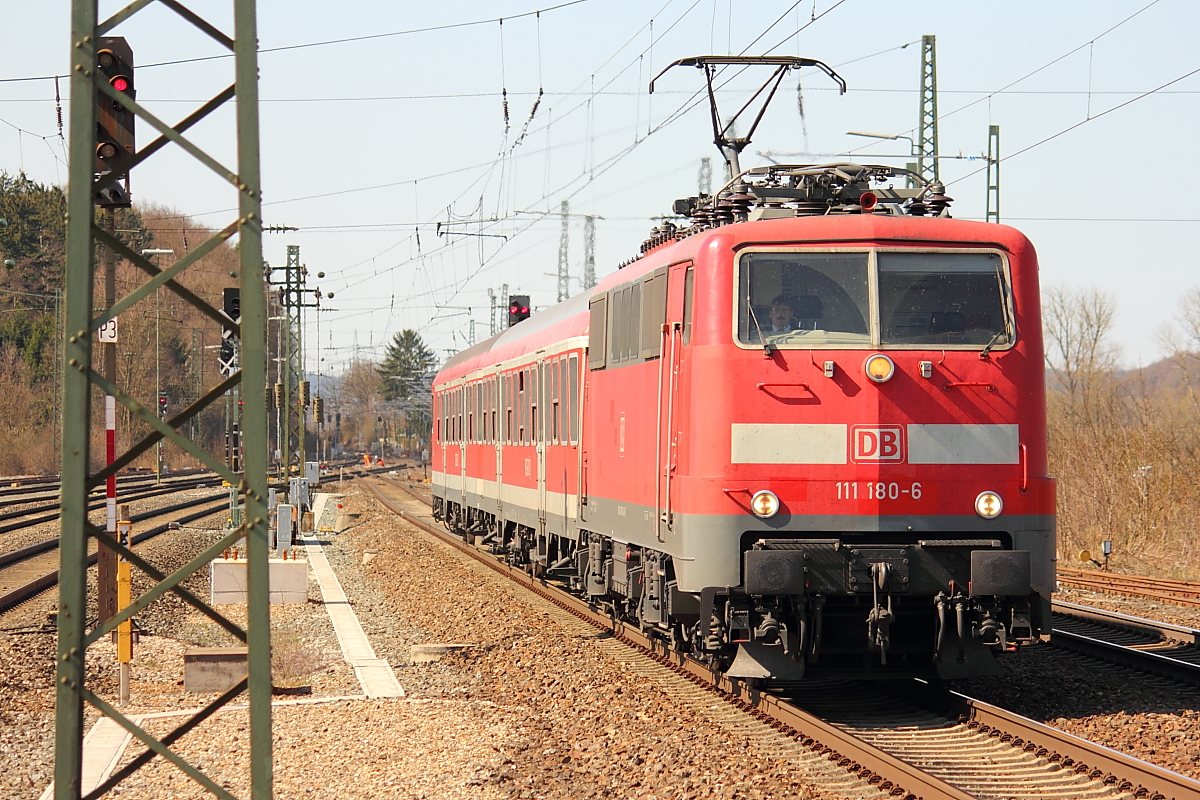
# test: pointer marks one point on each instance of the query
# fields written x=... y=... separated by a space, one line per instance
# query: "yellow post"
x=124 y=598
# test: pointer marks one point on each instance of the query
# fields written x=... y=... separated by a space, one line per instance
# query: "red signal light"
x=524 y=309
x=120 y=83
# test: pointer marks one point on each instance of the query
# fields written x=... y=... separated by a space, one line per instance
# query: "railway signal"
x=231 y=308
x=518 y=308
x=114 y=123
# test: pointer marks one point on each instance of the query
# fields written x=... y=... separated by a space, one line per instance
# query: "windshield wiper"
x=983 y=356
x=754 y=319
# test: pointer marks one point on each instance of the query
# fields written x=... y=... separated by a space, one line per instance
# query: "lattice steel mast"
x=589 y=252
x=81 y=378
x=993 y=175
x=564 y=275
x=927 y=134
x=292 y=395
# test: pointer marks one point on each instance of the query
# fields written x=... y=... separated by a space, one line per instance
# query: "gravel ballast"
x=535 y=705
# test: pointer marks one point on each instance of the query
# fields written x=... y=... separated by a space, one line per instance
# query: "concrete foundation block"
x=213 y=669
x=288 y=581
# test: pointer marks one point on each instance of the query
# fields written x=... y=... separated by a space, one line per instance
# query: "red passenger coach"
x=805 y=433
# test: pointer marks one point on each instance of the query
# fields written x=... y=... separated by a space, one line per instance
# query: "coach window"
x=535 y=427
x=573 y=386
x=562 y=400
x=554 y=401
x=506 y=405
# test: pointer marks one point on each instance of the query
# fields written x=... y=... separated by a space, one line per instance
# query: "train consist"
x=802 y=434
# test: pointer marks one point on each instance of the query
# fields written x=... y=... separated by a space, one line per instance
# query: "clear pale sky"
x=367 y=145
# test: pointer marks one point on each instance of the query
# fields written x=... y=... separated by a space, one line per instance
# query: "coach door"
x=464 y=434
x=679 y=289
x=539 y=434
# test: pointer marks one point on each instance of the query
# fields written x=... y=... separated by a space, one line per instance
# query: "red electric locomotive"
x=804 y=434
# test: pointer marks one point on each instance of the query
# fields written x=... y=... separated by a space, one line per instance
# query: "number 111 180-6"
x=870 y=490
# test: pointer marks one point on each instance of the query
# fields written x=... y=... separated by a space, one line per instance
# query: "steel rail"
x=866 y=761
x=38 y=585
x=1143 y=779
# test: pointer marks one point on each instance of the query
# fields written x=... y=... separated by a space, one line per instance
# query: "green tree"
x=407 y=366
x=407 y=374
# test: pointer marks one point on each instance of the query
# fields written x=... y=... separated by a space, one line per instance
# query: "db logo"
x=878 y=444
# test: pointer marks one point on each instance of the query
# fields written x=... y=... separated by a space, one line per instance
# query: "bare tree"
x=1077 y=324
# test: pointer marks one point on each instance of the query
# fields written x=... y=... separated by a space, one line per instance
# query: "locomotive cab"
x=885 y=458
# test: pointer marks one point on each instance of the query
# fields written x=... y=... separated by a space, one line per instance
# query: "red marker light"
x=120 y=83
x=525 y=310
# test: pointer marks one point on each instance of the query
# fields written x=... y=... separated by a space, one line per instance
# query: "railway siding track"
x=30 y=563
x=1185 y=593
x=1159 y=647
x=951 y=746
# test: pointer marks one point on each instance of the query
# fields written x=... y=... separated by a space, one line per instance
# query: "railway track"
x=1158 y=647
x=47 y=488
x=49 y=512
x=912 y=740
x=29 y=571
x=1182 y=592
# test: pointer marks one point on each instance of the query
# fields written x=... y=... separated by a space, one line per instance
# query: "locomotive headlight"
x=879 y=368
x=764 y=504
x=988 y=505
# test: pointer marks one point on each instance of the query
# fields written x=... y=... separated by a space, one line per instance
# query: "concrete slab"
x=288 y=581
x=374 y=675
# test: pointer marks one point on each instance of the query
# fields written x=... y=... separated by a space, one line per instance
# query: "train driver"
x=781 y=315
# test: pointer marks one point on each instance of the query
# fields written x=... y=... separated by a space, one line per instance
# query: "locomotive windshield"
x=805 y=299
x=932 y=299
x=942 y=299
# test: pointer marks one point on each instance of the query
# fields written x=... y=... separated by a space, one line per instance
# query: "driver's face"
x=781 y=316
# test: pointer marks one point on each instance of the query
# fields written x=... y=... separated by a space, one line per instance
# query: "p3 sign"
x=877 y=443
x=107 y=332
